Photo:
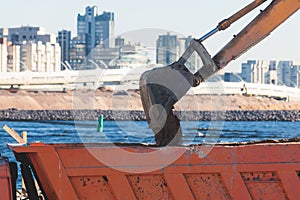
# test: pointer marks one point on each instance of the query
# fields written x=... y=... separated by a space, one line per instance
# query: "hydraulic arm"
x=161 y=88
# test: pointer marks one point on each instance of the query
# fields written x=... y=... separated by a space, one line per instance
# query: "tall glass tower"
x=94 y=29
x=64 y=40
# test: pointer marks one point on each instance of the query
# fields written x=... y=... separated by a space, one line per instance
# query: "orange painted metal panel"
x=178 y=186
x=262 y=184
x=207 y=186
x=5 y=181
x=91 y=188
x=150 y=187
x=256 y=171
x=120 y=186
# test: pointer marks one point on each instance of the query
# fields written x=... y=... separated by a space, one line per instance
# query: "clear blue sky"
x=189 y=17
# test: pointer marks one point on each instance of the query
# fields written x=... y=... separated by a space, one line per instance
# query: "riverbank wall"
x=136 y=115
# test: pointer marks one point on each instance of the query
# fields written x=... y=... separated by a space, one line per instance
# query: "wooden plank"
x=14 y=134
x=24 y=136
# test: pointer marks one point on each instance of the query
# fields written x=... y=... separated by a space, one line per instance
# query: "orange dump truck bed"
x=98 y=171
x=7 y=179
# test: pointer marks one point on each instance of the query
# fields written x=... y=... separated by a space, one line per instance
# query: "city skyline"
x=282 y=44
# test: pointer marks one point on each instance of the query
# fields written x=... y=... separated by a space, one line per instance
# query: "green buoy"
x=100 y=124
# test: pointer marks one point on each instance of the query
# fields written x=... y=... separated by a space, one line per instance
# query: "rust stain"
x=150 y=187
x=207 y=186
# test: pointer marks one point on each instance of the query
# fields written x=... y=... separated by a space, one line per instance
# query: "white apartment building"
x=41 y=57
x=28 y=48
x=13 y=58
x=3 y=55
x=261 y=69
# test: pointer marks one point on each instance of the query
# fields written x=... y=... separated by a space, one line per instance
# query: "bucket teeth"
x=171 y=133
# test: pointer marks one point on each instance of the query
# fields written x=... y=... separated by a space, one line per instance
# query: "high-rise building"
x=104 y=55
x=284 y=73
x=272 y=65
x=119 y=42
x=271 y=75
x=9 y=56
x=272 y=72
x=295 y=76
x=94 y=29
x=22 y=34
x=167 y=49
x=262 y=67
x=3 y=54
x=3 y=32
x=255 y=71
x=64 y=40
x=247 y=69
x=77 y=53
x=13 y=58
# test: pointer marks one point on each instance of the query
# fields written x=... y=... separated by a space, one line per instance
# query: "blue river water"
x=194 y=132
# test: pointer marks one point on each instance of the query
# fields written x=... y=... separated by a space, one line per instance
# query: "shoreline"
x=137 y=115
x=130 y=100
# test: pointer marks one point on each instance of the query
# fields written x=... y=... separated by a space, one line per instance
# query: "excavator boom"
x=161 y=88
x=268 y=20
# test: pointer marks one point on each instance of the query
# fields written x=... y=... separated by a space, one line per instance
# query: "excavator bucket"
x=162 y=87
